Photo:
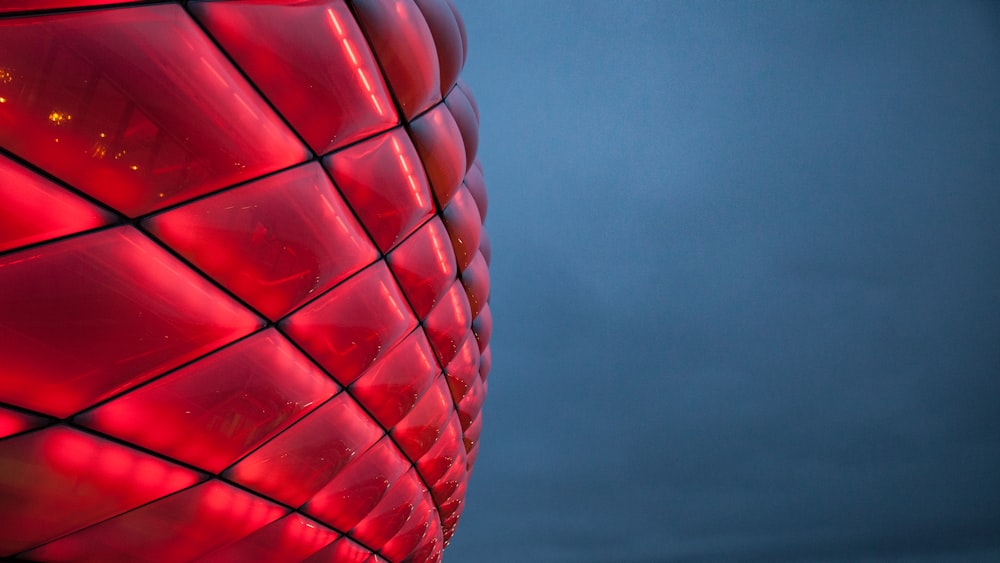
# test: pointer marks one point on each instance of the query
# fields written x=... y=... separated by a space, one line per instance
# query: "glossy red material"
x=385 y=183
x=130 y=311
x=58 y=480
x=135 y=107
x=234 y=399
x=405 y=48
x=276 y=243
x=243 y=280
x=354 y=324
x=311 y=60
x=37 y=210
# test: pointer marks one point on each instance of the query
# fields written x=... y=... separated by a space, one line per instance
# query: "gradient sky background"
x=746 y=281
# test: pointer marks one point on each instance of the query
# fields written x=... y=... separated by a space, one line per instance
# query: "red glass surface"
x=14 y=422
x=359 y=487
x=477 y=187
x=472 y=403
x=276 y=243
x=420 y=429
x=311 y=60
x=468 y=123
x=304 y=458
x=405 y=49
x=445 y=488
x=485 y=362
x=442 y=150
x=415 y=530
x=448 y=452
x=134 y=106
x=343 y=551
x=462 y=220
x=484 y=246
x=354 y=324
x=127 y=312
x=424 y=264
x=232 y=400
x=384 y=181
x=19 y=5
x=391 y=512
x=472 y=432
x=177 y=528
x=35 y=209
x=292 y=538
x=57 y=480
x=476 y=279
x=448 y=39
x=483 y=327
x=464 y=367
x=394 y=384
x=447 y=324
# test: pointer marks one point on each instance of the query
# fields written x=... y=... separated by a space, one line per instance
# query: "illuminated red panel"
x=304 y=458
x=472 y=403
x=343 y=551
x=311 y=60
x=462 y=220
x=468 y=123
x=354 y=324
x=485 y=362
x=472 y=432
x=385 y=184
x=484 y=246
x=276 y=243
x=231 y=401
x=359 y=487
x=127 y=312
x=134 y=106
x=177 y=528
x=442 y=150
x=422 y=521
x=483 y=327
x=405 y=48
x=451 y=511
x=14 y=422
x=418 y=430
x=445 y=488
x=430 y=549
x=464 y=367
x=392 y=386
x=476 y=280
x=477 y=187
x=35 y=209
x=447 y=452
x=58 y=480
x=424 y=264
x=447 y=324
x=292 y=538
x=18 y=5
x=448 y=39
x=391 y=512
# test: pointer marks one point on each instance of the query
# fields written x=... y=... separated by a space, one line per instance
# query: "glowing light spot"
x=134 y=167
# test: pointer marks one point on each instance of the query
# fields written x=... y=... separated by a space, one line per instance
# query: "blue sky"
x=746 y=282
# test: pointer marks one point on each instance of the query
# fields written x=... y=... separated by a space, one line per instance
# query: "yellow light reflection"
x=59 y=117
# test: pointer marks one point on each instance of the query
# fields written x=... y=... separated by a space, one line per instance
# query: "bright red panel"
x=354 y=324
x=448 y=323
x=405 y=48
x=94 y=315
x=389 y=515
x=462 y=220
x=14 y=422
x=448 y=40
x=276 y=243
x=418 y=430
x=177 y=528
x=342 y=551
x=304 y=458
x=482 y=326
x=134 y=106
x=468 y=123
x=472 y=432
x=18 y=5
x=292 y=538
x=485 y=362
x=359 y=487
x=386 y=185
x=442 y=150
x=447 y=486
x=423 y=526
x=311 y=60
x=392 y=386
x=425 y=266
x=476 y=280
x=472 y=403
x=212 y=412
x=447 y=452
x=464 y=367
x=35 y=209
x=57 y=480
x=477 y=187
